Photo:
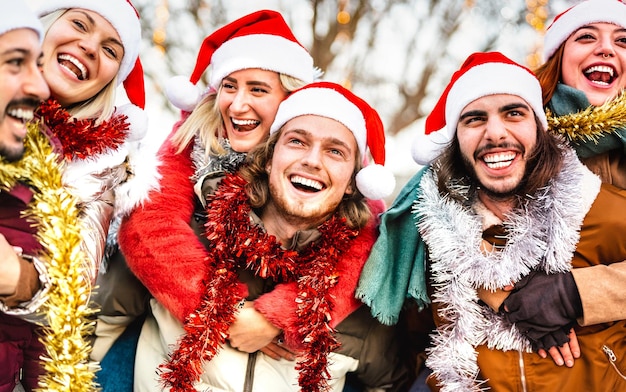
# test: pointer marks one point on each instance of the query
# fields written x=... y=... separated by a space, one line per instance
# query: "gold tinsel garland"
x=55 y=214
x=591 y=123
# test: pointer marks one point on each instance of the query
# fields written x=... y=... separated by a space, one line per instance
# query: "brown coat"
x=602 y=241
x=610 y=166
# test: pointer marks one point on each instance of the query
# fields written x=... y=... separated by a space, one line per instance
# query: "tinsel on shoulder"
x=83 y=138
x=592 y=122
x=237 y=243
x=54 y=212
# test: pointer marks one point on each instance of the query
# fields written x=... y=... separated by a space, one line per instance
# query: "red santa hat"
x=579 y=15
x=333 y=101
x=482 y=74
x=18 y=15
x=258 y=40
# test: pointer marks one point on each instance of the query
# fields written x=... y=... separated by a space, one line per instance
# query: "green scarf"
x=395 y=269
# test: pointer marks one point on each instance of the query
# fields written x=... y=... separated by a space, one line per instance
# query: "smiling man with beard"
x=285 y=241
x=21 y=83
x=501 y=200
x=22 y=88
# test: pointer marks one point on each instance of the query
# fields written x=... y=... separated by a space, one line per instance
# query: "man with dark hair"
x=22 y=88
x=503 y=200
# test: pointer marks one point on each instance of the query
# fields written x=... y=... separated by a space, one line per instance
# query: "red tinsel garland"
x=237 y=243
x=81 y=139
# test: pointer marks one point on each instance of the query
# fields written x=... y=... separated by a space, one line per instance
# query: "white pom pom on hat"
x=333 y=101
x=482 y=74
x=579 y=15
x=182 y=93
x=136 y=118
x=261 y=39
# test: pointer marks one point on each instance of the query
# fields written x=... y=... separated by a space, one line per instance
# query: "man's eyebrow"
x=512 y=106
x=472 y=113
x=14 y=50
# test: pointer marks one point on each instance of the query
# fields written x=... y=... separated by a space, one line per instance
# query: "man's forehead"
x=23 y=39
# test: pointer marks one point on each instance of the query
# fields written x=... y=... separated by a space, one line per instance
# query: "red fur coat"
x=166 y=255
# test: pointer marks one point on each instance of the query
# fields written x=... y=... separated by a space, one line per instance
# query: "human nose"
x=240 y=102
x=312 y=157
x=88 y=45
x=605 y=48
x=35 y=85
x=495 y=129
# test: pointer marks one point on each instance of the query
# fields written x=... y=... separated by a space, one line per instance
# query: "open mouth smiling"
x=72 y=64
x=22 y=114
x=499 y=160
x=306 y=184
x=245 y=125
x=602 y=75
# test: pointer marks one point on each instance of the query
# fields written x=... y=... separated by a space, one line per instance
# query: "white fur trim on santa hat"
x=587 y=12
x=489 y=79
x=426 y=148
x=323 y=102
x=264 y=51
x=120 y=13
x=182 y=93
x=18 y=15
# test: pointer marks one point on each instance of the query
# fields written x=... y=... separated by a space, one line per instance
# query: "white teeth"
x=600 y=68
x=78 y=64
x=22 y=114
x=245 y=122
x=307 y=182
x=498 y=161
x=499 y=165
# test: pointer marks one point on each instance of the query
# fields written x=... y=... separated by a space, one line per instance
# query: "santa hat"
x=335 y=102
x=18 y=15
x=482 y=74
x=124 y=18
x=259 y=40
x=584 y=13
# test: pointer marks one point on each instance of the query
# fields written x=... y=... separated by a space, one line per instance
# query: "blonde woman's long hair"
x=206 y=120
x=99 y=107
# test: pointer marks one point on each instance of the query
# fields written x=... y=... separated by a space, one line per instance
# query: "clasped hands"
x=544 y=308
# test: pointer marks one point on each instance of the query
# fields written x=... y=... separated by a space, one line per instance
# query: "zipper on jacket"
x=249 y=381
x=612 y=358
x=522 y=373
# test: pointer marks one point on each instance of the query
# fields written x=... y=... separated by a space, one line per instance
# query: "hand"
x=251 y=331
x=564 y=354
x=494 y=299
x=277 y=350
x=9 y=267
x=544 y=308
